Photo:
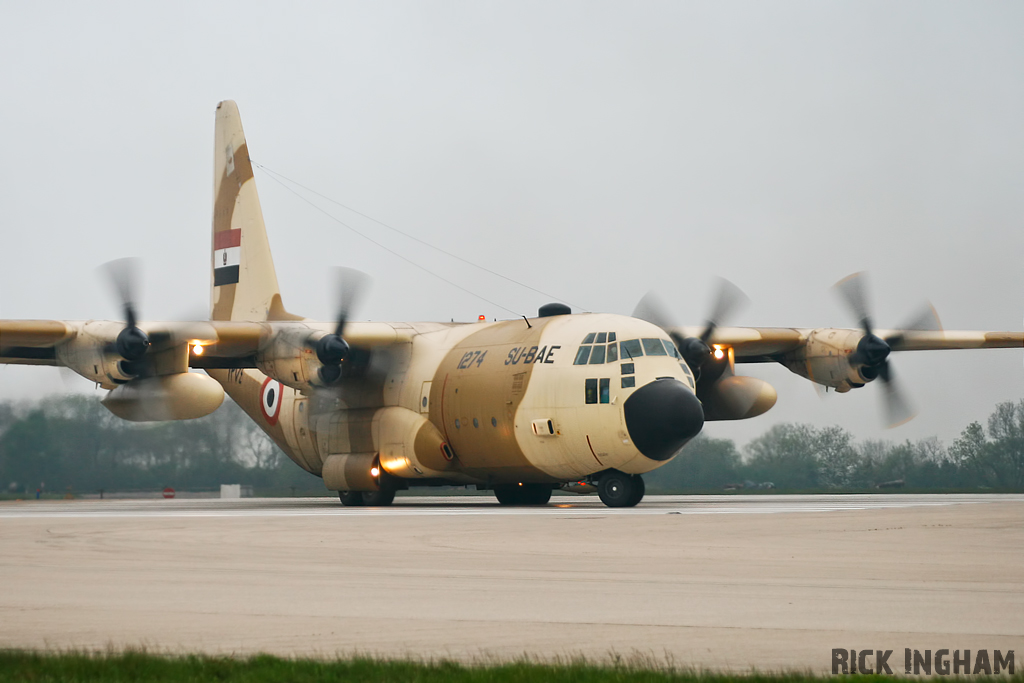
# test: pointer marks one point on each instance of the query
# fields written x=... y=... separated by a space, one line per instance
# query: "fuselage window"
x=597 y=355
x=628 y=382
x=654 y=347
x=582 y=355
x=605 y=390
x=627 y=368
x=591 y=391
x=613 y=352
x=631 y=349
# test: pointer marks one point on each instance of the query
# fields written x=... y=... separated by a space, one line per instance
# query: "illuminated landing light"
x=197 y=349
x=719 y=353
x=374 y=471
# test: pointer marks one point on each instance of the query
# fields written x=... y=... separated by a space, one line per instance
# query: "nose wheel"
x=620 y=490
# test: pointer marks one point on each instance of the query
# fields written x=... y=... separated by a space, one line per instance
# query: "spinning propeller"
x=131 y=343
x=695 y=350
x=872 y=352
x=332 y=349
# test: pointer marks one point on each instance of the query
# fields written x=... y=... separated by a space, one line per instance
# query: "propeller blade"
x=349 y=285
x=852 y=290
x=122 y=274
x=897 y=408
x=652 y=309
x=926 y=320
x=728 y=300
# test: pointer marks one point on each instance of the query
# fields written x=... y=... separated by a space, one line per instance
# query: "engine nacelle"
x=290 y=358
x=91 y=353
x=183 y=396
x=824 y=359
x=737 y=398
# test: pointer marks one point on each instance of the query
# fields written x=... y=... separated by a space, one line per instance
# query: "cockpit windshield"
x=594 y=351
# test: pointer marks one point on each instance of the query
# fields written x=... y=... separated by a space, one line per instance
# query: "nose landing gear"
x=620 y=490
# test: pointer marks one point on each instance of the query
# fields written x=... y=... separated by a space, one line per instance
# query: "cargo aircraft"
x=584 y=402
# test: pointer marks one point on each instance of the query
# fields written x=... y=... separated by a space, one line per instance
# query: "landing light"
x=374 y=471
x=197 y=349
x=719 y=353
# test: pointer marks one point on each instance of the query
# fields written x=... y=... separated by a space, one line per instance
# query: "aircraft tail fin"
x=243 y=282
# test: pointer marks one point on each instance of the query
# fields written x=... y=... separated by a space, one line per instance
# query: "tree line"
x=800 y=457
x=71 y=443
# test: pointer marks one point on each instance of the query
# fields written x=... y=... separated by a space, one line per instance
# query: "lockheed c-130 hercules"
x=583 y=402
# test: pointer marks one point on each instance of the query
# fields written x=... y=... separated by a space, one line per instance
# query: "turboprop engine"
x=93 y=355
x=840 y=359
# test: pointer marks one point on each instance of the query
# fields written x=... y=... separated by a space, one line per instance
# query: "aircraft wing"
x=225 y=343
x=31 y=342
x=766 y=344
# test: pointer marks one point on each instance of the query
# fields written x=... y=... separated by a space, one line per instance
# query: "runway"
x=487 y=505
x=725 y=582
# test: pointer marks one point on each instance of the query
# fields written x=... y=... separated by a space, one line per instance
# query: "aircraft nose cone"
x=661 y=417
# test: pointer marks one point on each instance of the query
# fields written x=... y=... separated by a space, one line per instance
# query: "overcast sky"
x=592 y=150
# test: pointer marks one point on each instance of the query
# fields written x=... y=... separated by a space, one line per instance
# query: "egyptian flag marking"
x=227 y=255
x=270 y=400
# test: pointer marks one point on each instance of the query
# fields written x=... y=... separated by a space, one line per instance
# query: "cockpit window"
x=654 y=347
x=631 y=349
x=582 y=355
x=595 y=355
x=671 y=348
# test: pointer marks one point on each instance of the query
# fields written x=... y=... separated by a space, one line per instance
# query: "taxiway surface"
x=728 y=582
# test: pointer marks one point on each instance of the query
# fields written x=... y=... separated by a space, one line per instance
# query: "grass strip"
x=41 y=667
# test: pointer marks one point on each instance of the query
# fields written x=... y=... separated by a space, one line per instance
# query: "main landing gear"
x=371 y=498
x=523 y=494
x=620 y=490
x=385 y=495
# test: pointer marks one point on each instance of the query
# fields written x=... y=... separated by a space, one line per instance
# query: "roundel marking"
x=270 y=400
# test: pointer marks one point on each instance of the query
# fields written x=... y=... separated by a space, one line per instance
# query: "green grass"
x=142 y=666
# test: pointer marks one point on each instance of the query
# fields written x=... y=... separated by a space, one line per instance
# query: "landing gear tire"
x=385 y=496
x=523 y=494
x=620 y=490
x=351 y=498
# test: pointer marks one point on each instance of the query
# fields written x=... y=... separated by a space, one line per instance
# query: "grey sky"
x=594 y=150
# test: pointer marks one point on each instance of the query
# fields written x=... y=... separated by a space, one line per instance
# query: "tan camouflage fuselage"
x=505 y=397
